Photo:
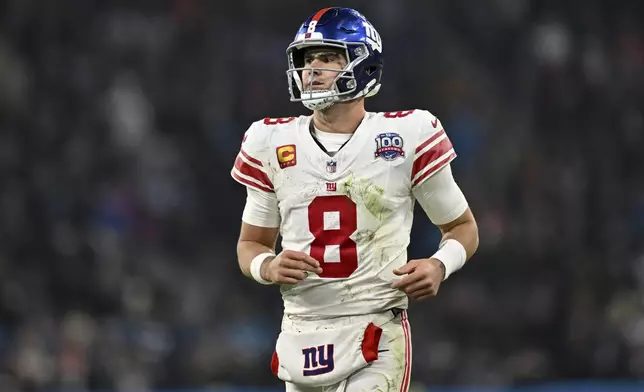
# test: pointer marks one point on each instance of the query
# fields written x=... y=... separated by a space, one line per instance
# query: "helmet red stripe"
x=319 y=14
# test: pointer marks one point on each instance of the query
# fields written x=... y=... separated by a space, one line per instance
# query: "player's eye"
x=330 y=57
x=327 y=57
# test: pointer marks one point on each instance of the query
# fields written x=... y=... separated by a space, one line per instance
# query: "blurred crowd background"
x=120 y=121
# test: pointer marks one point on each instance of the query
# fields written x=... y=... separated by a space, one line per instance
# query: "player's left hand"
x=424 y=276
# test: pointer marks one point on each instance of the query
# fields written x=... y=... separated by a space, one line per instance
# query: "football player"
x=340 y=187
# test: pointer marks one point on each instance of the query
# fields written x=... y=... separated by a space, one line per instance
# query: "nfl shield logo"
x=331 y=166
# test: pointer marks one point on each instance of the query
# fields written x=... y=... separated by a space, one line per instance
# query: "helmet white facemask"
x=322 y=99
x=317 y=99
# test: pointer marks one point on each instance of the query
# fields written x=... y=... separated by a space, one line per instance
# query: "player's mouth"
x=316 y=85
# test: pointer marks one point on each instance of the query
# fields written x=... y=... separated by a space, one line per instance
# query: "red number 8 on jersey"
x=332 y=221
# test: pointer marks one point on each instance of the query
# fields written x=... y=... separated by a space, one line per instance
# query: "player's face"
x=329 y=58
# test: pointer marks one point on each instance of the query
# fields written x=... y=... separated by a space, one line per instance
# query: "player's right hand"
x=289 y=267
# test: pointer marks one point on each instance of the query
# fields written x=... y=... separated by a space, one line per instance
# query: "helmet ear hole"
x=371 y=70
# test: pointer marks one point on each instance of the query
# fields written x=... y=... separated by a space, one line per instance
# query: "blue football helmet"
x=350 y=31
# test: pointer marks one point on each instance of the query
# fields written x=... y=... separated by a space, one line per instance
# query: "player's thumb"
x=404 y=270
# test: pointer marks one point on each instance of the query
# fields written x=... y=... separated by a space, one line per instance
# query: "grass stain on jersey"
x=365 y=236
x=349 y=294
x=363 y=191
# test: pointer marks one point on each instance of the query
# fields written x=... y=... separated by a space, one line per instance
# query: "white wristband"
x=452 y=254
x=256 y=266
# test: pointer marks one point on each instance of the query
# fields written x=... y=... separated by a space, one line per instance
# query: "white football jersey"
x=352 y=211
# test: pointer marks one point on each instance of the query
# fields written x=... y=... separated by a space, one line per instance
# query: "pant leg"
x=392 y=370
